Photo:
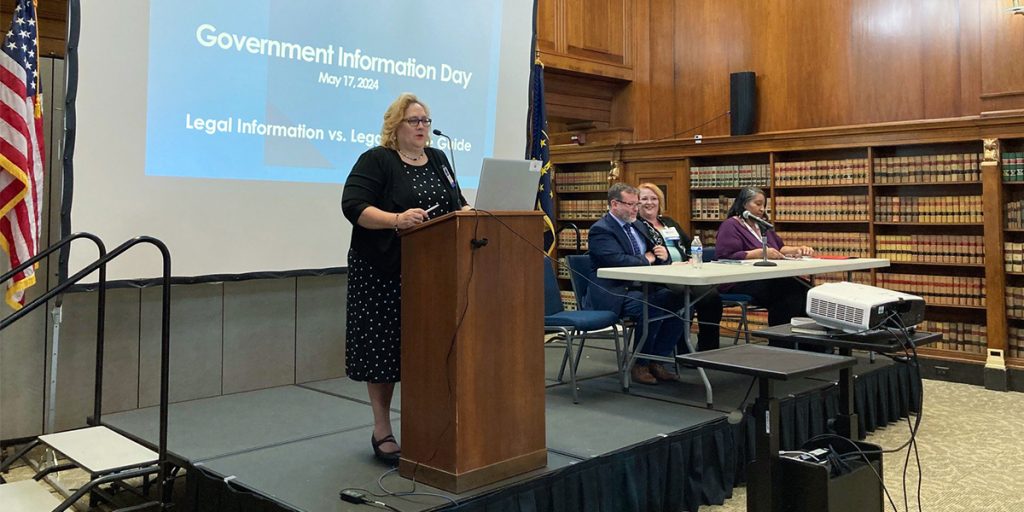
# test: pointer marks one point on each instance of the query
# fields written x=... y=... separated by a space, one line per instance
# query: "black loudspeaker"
x=742 y=102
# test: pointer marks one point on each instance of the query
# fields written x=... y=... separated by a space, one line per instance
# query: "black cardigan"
x=378 y=179
x=684 y=238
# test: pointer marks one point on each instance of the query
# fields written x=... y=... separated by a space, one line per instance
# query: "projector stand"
x=764 y=250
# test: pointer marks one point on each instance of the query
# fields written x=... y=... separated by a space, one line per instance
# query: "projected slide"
x=227 y=128
x=281 y=90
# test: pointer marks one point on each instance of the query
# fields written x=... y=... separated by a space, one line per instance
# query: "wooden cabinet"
x=592 y=37
x=942 y=200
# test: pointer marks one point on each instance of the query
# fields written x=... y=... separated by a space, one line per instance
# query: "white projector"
x=854 y=307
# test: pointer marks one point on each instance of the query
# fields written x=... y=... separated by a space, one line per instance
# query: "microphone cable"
x=666 y=313
x=699 y=126
x=451 y=152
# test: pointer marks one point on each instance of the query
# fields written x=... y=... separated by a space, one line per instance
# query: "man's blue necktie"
x=632 y=241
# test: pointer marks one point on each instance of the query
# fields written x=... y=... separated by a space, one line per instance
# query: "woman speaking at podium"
x=394 y=186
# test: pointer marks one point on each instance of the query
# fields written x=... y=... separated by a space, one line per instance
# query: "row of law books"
x=967 y=249
x=562 y=270
x=937 y=290
x=854 y=245
x=746 y=175
x=928 y=210
x=707 y=236
x=1014 y=214
x=582 y=209
x=1013 y=256
x=962 y=336
x=851 y=208
x=757 y=319
x=1013 y=166
x=928 y=168
x=568 y=300
x=851 y=171
x=587 y=181
x=710 y=208
x=1015 y=301
x=567 y=239
x=1015 y=342
x=861 y=277
x=716 y=208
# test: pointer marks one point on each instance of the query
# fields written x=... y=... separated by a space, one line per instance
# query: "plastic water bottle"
x=697 y=252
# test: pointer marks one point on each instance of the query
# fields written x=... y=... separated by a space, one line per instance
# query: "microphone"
x=764 y=224
x=451 y=154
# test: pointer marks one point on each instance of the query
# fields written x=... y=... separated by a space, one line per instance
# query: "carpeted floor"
x=971 y=445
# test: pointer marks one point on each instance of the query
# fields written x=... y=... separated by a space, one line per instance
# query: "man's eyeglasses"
x=415 y=121
x=631 y=205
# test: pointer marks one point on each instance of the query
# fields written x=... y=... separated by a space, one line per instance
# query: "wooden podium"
x=472 y=349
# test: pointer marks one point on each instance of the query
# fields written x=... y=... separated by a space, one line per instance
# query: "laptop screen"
x=508 y=185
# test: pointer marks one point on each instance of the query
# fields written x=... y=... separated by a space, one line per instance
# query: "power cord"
x=917 y=423
x=699 y=126
x=736 y=416
x=352 y=495
x=547 y=257
x=413 y=492
x=862 y=454
x=476 y=243
x=360 y=495
x=900 y=333
x=909 y=348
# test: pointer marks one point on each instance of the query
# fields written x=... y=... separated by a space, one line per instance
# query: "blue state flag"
x=539 y=151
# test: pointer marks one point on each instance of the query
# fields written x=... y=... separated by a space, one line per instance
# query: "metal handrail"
x=49 y=250
x=165 y=334
x=569 y=225
x=100 y=305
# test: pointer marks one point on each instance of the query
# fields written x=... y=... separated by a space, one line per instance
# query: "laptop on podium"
x=509 y=185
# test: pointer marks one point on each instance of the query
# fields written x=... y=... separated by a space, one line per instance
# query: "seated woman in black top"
x=670 y=234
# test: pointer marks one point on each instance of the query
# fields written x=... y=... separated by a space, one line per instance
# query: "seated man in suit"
x=618 y=240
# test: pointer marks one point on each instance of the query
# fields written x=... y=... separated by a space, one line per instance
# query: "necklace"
x=413 y=158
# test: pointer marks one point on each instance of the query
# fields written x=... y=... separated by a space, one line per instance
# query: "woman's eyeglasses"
x=416 y=121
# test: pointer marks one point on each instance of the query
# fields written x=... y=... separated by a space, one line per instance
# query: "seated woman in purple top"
x=740 y=239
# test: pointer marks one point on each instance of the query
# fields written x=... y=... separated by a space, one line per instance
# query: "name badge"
x=448 y=174
x=670 y=234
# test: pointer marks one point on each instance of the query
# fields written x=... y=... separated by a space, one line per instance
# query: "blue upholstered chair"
x=581 y=274
x=575 y=325
x=729 y=300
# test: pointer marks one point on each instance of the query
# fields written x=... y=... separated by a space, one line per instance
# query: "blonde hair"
x=657 y=191
x=394 y=116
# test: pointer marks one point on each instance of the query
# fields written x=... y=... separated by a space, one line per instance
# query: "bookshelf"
x=1012 y=175
x=714 y=182
x=928 y=195
x=581 y=198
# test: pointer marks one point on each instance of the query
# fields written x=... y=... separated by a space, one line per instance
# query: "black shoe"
x=390 y=457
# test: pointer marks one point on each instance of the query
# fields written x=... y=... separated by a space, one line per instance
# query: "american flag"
x=21 y=147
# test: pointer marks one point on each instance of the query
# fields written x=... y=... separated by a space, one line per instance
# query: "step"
x=99 y=449
x=27 y=496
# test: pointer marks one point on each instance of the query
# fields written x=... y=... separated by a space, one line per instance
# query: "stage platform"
x=656 y=448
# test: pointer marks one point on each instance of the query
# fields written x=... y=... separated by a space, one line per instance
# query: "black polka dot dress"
x=373 y=326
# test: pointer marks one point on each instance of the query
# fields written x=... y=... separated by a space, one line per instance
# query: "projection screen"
x=227 y=128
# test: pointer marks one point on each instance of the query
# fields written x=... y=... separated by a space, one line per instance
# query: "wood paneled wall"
x=662 y=66
x=818 y=64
